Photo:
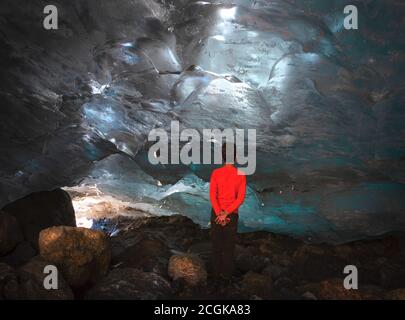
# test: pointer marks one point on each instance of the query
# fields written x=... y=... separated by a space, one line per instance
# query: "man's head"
x=228 y=152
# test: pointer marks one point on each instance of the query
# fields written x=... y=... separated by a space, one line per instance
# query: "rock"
x=386 y=247
x=23 y=253
x=176 y=231
x=257 y=284
x=314 y=262
x=179 y=286
x=202 y=249
x=41 y=210
x=333 y=289
x=283 y=283
x=246 y=262
x=397 y=294
x=31 y=278
x=188 y=267
x=10 y=233
x=307 y=287
x=309 y=250
x=309 y=296
x=274 y=271
x=8 y=282
x=283 y=260
x=269 y=243
x=129 y=283
x=248 y=259
x=181 y=290
x=82 y=255
x=288 y=294
x=148 y=254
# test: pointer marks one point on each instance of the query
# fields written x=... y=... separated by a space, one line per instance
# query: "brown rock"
x=333 y=289
x=31 y=278
x=188 y=267
x=255 y=284
x=41 y=210
x=82 y=255
x=10 y=233
x=397 y=294
x=129 y=283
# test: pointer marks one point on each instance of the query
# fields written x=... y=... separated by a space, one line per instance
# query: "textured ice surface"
x=327 y=105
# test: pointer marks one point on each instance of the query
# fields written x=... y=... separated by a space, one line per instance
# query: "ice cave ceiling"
x=78 y=103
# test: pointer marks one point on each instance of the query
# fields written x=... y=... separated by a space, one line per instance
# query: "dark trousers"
x=223 y=245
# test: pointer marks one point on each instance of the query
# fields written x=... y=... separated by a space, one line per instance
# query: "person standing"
x=227 y=193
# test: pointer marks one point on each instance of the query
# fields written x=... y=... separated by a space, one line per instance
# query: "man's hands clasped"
x=222 y=218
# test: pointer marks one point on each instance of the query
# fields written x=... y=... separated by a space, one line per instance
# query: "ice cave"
x=327 y=103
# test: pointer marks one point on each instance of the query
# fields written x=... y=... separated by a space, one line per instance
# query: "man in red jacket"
x=227 y=192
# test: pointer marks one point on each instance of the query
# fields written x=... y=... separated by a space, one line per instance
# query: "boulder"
x=178 y=229
x=82 y=255
x=10 y=233
x=189 y=267
x=283 y=283
x=23 y=253
x=41 y=210
x=31 y=278
x=178 y=232
x=246 y=262
x=256 y=284
x=130 y=284
x=8 y=282
x=148 y=254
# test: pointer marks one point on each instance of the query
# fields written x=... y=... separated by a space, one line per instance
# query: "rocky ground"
x=169 y=258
